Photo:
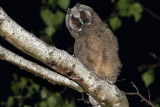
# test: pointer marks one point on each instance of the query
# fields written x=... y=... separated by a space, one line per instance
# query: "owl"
x=95 y=44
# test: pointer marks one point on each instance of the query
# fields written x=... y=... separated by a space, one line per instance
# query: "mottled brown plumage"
x=95 y=44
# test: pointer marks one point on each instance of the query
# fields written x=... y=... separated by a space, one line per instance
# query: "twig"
x=63 y=90
x=114 y=13
x=135 y=87
x=152 y=65
x=83 y=99
x=149 y=96
x=154 y=56
x=20 y=98
x=150 y=12
x=138 y=94
x=121 y=80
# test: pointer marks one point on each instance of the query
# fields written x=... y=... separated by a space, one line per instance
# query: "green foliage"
x=25 y=89
x=52 y=17
x=148 y=77
x=43 y=94
x=125 y=8
x=157 y=105
x=10 y=101
x=128 y=9
x=135 y=10
x=15 y=87
x=112 y=1
x=23 y=82
x=34 y=85
x=64 y=4
x=53 y=3
x=53 y=100
x=115 y=22
x=47 y=17
x=42 y=104
x=27 y=106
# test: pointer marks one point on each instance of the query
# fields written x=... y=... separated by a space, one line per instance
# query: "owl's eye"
x=75 y=24
x=86 y=17
x=75 y=21
x=83 y=16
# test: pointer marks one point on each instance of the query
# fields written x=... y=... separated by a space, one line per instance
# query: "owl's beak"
x=81 y=21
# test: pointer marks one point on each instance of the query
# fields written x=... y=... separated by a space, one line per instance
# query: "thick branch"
x=106 y=94
x=37 y=70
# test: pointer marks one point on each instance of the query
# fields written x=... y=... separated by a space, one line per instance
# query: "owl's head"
x=79 y=17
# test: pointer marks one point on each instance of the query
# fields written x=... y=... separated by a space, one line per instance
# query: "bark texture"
x=106 y=94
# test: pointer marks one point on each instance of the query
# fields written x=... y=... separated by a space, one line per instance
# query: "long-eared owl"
x=95 y=44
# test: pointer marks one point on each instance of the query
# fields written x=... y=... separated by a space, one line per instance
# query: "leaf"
x=135 y=10
x=64 y=4
x=43 y=94
x=34 y=85
x=51 y=101
x=30 y=92
x=55 y=100
x=141 y=67
x=43 y=104
x=53 y=3
x=50 y=31
x=10 y=101
x=115 y=23
x=15 y=77
x=27 y=106
x=47 y=16
x=112 y=1
x=15 y=87
x=148 y=77
x=23 y=82
x=52 y=19
x=123 y=6
x=69 y=104
x=58 y=18
x=157 y=105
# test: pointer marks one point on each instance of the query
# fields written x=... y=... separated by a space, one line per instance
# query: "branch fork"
x=73 y=73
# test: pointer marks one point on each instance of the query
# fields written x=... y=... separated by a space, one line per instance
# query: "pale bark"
x=103 y=92
x=37 y=70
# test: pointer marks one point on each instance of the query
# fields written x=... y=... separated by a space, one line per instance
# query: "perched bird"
x=95 y=44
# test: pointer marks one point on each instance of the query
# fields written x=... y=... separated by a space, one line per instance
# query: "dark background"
x=136 y=41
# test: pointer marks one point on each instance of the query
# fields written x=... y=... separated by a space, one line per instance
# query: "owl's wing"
x=110 y=65
x=110 y=40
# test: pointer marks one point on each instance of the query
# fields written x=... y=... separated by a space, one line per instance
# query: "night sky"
x=136 y=42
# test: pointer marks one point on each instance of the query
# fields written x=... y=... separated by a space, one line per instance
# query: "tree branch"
x=141 y=96
x=37 y=70
x=103 y=92
x=150 y=12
